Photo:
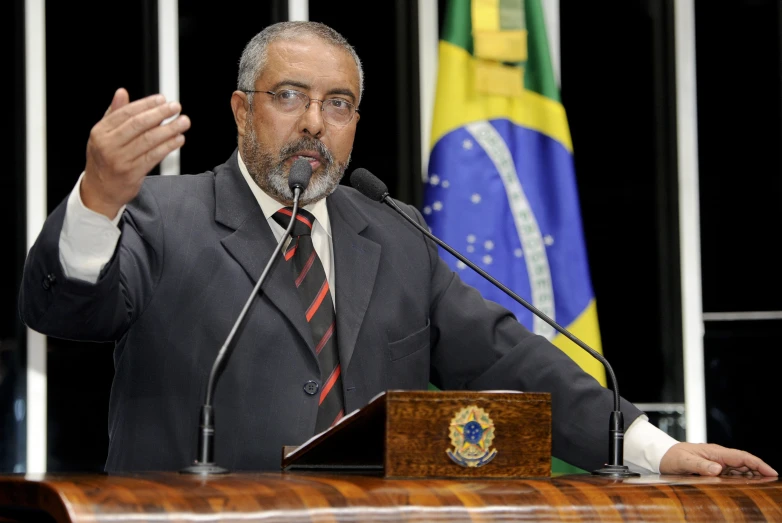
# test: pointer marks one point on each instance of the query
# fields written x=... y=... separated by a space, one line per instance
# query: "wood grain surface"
x=314 y=497
x=418 y=434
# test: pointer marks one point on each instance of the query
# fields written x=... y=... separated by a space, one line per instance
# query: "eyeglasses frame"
x=307 y=106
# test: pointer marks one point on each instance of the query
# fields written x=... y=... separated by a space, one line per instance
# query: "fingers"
x=147 y=145
x=158 y=135
x=743 y=462
x=740 y=471
x=125 y=145
x=121 y=98
x=154 y=156
x=120 y=112
x=131 y=129
x=712 y=460
x=143 y=122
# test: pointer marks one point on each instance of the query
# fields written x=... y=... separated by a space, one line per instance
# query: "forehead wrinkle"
x=306 y=54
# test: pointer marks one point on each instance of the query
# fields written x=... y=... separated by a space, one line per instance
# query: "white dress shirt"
x=321 y=229
x=88 y=240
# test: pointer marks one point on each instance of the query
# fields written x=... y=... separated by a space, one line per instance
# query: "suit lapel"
x=252 y=243
x=356 y=261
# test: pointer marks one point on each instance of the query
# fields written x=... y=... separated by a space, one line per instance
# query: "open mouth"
x=315 y=159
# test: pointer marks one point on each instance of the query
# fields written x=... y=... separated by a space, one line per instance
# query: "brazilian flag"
x=501 y=185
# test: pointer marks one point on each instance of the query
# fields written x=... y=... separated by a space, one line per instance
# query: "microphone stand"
x=615 y=468
x=204 y=463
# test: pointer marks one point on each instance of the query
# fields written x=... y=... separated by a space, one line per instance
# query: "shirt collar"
x=269 y=205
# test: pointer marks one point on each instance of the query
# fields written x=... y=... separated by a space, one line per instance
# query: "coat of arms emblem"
x=472 y=432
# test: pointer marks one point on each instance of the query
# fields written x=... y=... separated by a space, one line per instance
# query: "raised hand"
x=125 y=145
x=708 y=459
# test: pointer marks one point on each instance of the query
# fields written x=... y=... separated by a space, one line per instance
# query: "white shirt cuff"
x=645 y=445
x=87 y=239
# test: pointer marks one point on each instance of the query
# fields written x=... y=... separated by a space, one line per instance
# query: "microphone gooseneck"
x=373 y=188
x=298 y=179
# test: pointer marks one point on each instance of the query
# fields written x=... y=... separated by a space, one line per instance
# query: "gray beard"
x=269 y=174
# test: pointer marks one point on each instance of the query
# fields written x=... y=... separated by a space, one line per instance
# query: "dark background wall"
x=619 y=93
x=12 y=129
x=618 y=81
x=739 y=55
x=740 y=117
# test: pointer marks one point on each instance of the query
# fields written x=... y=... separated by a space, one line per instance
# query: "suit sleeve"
x=479 y=345
x=54 y=304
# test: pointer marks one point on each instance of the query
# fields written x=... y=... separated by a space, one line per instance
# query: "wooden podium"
x=292 y=497
x=406 y=456
x=418 y=434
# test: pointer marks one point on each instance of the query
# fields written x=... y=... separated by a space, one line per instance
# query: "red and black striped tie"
x=313 y=287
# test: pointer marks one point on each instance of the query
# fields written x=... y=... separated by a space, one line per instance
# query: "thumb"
x=121 y=98
x=706 y=467
x=698 y=464
x=689 y=458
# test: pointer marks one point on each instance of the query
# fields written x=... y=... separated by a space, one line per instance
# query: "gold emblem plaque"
x=472 y=432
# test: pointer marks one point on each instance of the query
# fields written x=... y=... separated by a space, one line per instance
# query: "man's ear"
x=240 y=107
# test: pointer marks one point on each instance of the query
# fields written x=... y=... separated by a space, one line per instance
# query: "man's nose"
x=311 y=122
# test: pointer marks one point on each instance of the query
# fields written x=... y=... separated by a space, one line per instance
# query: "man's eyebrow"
x=306 y=87
x=291 y=83
x=342 y=91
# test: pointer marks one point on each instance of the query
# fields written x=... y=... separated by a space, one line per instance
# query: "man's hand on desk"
x=125 y=145
x=708 y=459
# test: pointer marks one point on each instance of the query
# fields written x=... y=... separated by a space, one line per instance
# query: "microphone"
x=298 y=179
x=374 y=189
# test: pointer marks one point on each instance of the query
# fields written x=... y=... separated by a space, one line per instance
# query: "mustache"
x=307 y=144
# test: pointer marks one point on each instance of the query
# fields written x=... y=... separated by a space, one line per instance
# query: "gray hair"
x=256 y=51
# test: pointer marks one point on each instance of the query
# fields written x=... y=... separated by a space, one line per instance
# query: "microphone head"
x=368 y=184
x=301 y=172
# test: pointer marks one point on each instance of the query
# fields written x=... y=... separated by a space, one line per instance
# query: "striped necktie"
x=313 y=289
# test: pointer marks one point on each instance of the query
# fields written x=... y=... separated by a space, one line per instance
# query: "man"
x=163 y=266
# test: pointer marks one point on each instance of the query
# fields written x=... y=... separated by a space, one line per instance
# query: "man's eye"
x=288 y=95
x=339 y=104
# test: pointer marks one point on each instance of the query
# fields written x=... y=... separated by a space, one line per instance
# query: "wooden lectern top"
x=461 y=455
x=291 y=497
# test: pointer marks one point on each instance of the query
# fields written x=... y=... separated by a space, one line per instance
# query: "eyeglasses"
x=336 y=111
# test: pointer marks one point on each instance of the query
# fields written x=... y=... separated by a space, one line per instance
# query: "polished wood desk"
x=317 y=497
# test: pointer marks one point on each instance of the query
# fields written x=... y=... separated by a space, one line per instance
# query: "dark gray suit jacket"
x=191 y=250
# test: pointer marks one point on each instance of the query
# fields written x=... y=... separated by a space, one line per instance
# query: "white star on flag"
x=548 y=240
x=467 y=145
x=475 y=198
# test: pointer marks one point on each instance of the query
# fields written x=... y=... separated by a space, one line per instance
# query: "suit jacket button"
x=311 y=387
x=49 y=280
